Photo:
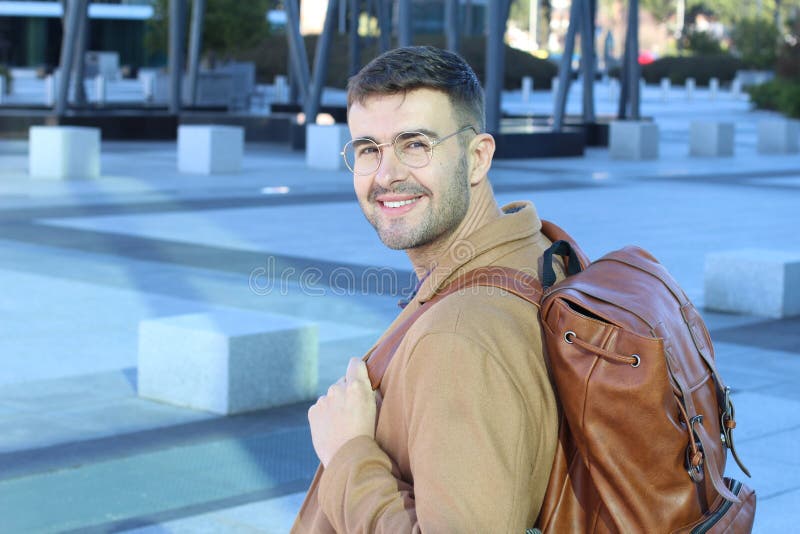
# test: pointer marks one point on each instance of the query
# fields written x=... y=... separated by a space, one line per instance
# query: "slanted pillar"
x=79 y=61
x=451 y=25
x=195 y=45
x=494 y=64
x=355 y=43
x=177 y=9
x=297 y=49
x=565 y=70
x=404 y=30
x=71 y=24
x=312 y=104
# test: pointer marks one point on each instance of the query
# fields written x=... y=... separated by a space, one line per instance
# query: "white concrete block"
x=324 y=143
x=63 y=152
x=778 y=136
x=633 y=140
x=228 y=361
x=711 y=138
x=210 y=149
x=753 y=281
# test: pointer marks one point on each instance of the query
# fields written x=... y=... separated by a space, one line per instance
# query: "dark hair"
x=404 y=69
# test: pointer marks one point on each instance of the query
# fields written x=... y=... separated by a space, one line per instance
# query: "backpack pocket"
x=726 y=516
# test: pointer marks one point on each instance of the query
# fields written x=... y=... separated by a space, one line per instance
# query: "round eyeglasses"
x=414 y=149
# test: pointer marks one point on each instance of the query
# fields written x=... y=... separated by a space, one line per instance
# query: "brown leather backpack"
x=646 y=419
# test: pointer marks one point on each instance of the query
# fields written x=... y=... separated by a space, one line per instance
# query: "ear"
x=481 y=152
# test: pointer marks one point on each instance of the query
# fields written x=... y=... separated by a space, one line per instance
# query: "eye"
x=365 y=148
x=413 y=142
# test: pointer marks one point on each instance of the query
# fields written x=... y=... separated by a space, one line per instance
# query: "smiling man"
x=461 y=434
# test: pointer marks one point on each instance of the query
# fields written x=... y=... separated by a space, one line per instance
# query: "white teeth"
x=399 y=203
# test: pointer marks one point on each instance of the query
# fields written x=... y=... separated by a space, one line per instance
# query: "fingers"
x=357 y=371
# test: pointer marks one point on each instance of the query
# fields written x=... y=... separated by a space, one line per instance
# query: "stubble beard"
x=438 y=221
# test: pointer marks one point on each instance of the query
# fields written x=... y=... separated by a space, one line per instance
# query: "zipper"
x=712 y=520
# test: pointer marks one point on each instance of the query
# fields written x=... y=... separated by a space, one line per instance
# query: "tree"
x=661 y=10
x=756 y=40
x=229 y=25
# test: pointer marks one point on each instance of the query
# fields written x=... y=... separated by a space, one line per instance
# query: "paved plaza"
x=83 y=262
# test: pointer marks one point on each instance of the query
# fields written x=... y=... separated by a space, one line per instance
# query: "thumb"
x=357 y=370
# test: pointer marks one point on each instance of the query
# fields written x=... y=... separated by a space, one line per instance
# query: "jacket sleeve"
x=469 y=454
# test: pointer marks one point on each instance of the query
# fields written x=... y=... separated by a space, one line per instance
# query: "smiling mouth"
x=399 y=203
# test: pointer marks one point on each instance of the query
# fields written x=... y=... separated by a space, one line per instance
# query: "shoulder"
x=481 y=326
x=478 y=312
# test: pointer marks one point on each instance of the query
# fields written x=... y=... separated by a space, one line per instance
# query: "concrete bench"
x=324 y=143
x=753 y=281
x=633 y=140
x=711 y=138
x=210 y=149
x=63 y=152
x=228 y=362
x=778 y=136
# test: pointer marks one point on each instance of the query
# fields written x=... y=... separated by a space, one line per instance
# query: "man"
x=466 y=429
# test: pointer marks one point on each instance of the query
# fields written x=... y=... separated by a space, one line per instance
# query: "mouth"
x=397 y=205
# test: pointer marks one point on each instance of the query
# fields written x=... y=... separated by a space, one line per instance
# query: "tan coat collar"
x=482 y=247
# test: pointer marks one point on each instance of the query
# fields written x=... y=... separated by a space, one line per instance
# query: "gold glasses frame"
x=431 y=142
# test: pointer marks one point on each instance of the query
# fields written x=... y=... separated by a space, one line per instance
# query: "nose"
x=390 y=170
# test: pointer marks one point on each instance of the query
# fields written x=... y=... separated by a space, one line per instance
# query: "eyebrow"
x=425 y=131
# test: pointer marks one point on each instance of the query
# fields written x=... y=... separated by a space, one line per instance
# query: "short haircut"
x=408 y=68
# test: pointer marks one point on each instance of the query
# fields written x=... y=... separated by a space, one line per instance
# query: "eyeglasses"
x=414 y=149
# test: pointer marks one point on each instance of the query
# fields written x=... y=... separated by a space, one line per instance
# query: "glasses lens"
x=413 y=148
x=362 y=156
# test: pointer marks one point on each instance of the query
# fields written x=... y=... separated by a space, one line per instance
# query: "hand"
x=346 y=412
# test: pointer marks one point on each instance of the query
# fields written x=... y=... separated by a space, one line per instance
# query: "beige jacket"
x=467 y=428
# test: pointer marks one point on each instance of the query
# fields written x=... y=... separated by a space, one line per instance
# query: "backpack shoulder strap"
x=516 y=282
x=555 y=233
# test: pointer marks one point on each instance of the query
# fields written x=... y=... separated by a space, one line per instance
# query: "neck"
x=482 y=210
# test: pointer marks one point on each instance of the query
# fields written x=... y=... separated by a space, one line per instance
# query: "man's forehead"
x=386 y=114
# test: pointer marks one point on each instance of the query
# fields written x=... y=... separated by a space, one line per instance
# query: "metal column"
x=495 y=58
x=565 y=70
x=451 y=24
x=74 y=9
x=629 y=95
x=588 y=59
x=404 y=29
x=195 y=44
x=383 y=11
x=177 y=10
x=312 y=103
x=354 y=49
x=634 y=72
x=297 y=48
x=79 y=62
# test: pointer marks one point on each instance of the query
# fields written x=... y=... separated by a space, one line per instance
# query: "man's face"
x=412 y=207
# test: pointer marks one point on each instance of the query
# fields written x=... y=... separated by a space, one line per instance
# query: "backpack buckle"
x=694 y=452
